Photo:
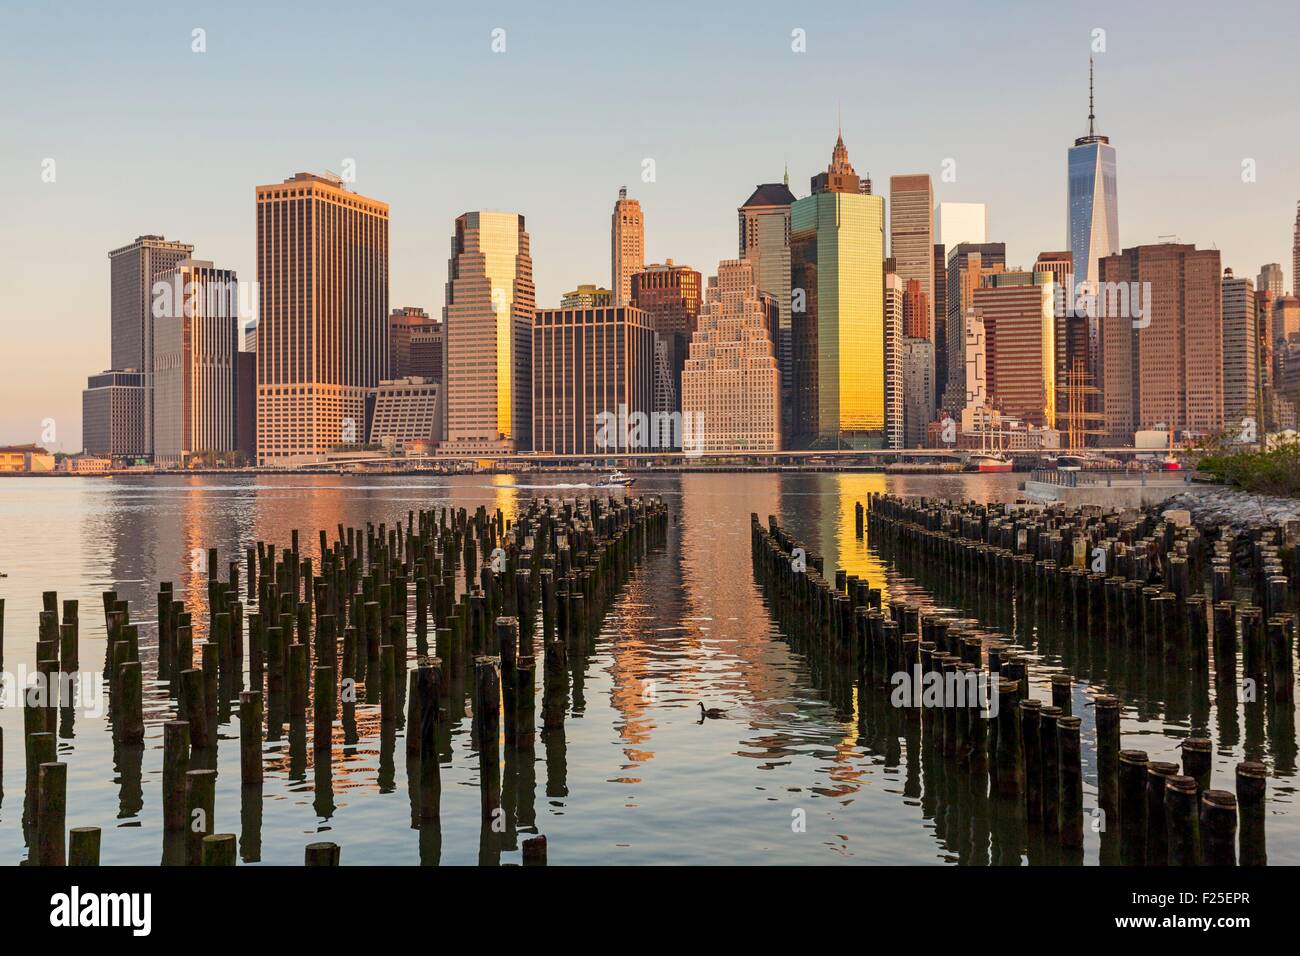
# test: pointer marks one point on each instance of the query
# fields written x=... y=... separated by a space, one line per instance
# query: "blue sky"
x=150 y=137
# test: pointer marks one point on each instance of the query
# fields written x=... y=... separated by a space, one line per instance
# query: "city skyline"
x=108 y=190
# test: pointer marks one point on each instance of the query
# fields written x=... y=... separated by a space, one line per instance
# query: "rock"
x=1178 y=517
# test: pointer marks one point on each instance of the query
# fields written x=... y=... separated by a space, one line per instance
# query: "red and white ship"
x=991 y=462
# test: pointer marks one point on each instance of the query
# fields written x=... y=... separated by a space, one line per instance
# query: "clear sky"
x=148 y=136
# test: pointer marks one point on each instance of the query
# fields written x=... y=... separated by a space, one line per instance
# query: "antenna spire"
x=1091 y=116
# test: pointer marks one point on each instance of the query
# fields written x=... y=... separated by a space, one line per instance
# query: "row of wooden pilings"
x=1027 y=758
x=305 y=643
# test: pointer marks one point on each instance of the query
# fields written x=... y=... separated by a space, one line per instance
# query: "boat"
x=986 y=462
x=615 y=479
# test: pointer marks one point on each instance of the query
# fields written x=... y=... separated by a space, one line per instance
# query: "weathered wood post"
x=1181 y=819
x=51 y=811
x=218 y=849
x=1218 y=828
x=1071 y=778
x=200 y=809
x=250 y=737
x=176 y=762
x=322 y=854
x=83 y=846
x=1252 y=778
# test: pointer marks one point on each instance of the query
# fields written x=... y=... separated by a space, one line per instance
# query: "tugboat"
x=615 y=479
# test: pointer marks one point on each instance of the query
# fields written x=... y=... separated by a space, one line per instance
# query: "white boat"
x=615 y=479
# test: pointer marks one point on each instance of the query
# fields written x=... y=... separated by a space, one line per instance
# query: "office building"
x=487 y=328
x=731 y=382
x=627 y=246
x=322 y=268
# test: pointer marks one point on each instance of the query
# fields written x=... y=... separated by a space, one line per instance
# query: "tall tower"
x=911 y=237
x=488 y=325
x=627 y=246
x=765 y=244
x=134 y=269
x=1295 y=254
x=837 y=257
x=196 y=344
x=1092 y=209
x=322 y=269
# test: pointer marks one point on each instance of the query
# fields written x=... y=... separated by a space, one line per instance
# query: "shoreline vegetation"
x=1273 y=471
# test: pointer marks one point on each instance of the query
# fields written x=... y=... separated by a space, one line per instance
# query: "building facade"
x=670 y=296
x=911 y=239
x=731 y=383
x=1092 y=212
x=837 y=252
x=322 y=268
x=894 y=309
x=918 y=390
x=593 y=380
x=586 y=296
x=112 y=414
x=968 y=263
x=1240 y=356
x=404 y=324
x=764 y=221
x=627 y=246
x=1018 y=313
x=1167 y=368
x=487 y=324
x=403 y=415
x=196 y=341
x=133 y=270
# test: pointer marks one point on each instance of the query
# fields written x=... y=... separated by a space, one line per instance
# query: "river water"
x=787 y=776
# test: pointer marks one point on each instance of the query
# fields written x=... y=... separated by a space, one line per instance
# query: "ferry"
x=615 y=479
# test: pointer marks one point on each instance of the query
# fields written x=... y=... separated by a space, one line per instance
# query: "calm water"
x=637 y=778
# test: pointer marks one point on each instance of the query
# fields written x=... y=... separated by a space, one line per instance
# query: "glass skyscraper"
x=837 y=251
x=1093 y=212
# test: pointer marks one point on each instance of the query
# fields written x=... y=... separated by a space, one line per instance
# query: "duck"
x=712 y=713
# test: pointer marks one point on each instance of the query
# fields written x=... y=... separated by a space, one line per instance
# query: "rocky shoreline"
x=1240 y=510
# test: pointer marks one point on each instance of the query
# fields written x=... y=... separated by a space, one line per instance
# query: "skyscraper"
x=917 y=315
x=968 y=263
x=670 y=296
x=1092 y=209
x=911 y=237
x=731 y=383
x=322 y=268
x=133 y=270
x=1240 y=353
x=1018 y=312
x=765 y=244
x=592 y=372
x=1270 y=279
x=488 y=325
x=918 y=390
x=1165 y=367
x=1071 y=330
x=1295 y=254
x=940 y=309
x=196 y=344
x=894 y=299
x=837 y=252
x=627 y=246
x=112 y=414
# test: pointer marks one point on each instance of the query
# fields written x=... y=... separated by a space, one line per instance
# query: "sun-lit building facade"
x=731 y=383
x=837 y=252
x=488 y=330
x=322 y=340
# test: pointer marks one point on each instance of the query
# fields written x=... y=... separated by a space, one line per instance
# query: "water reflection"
x=805 y=767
